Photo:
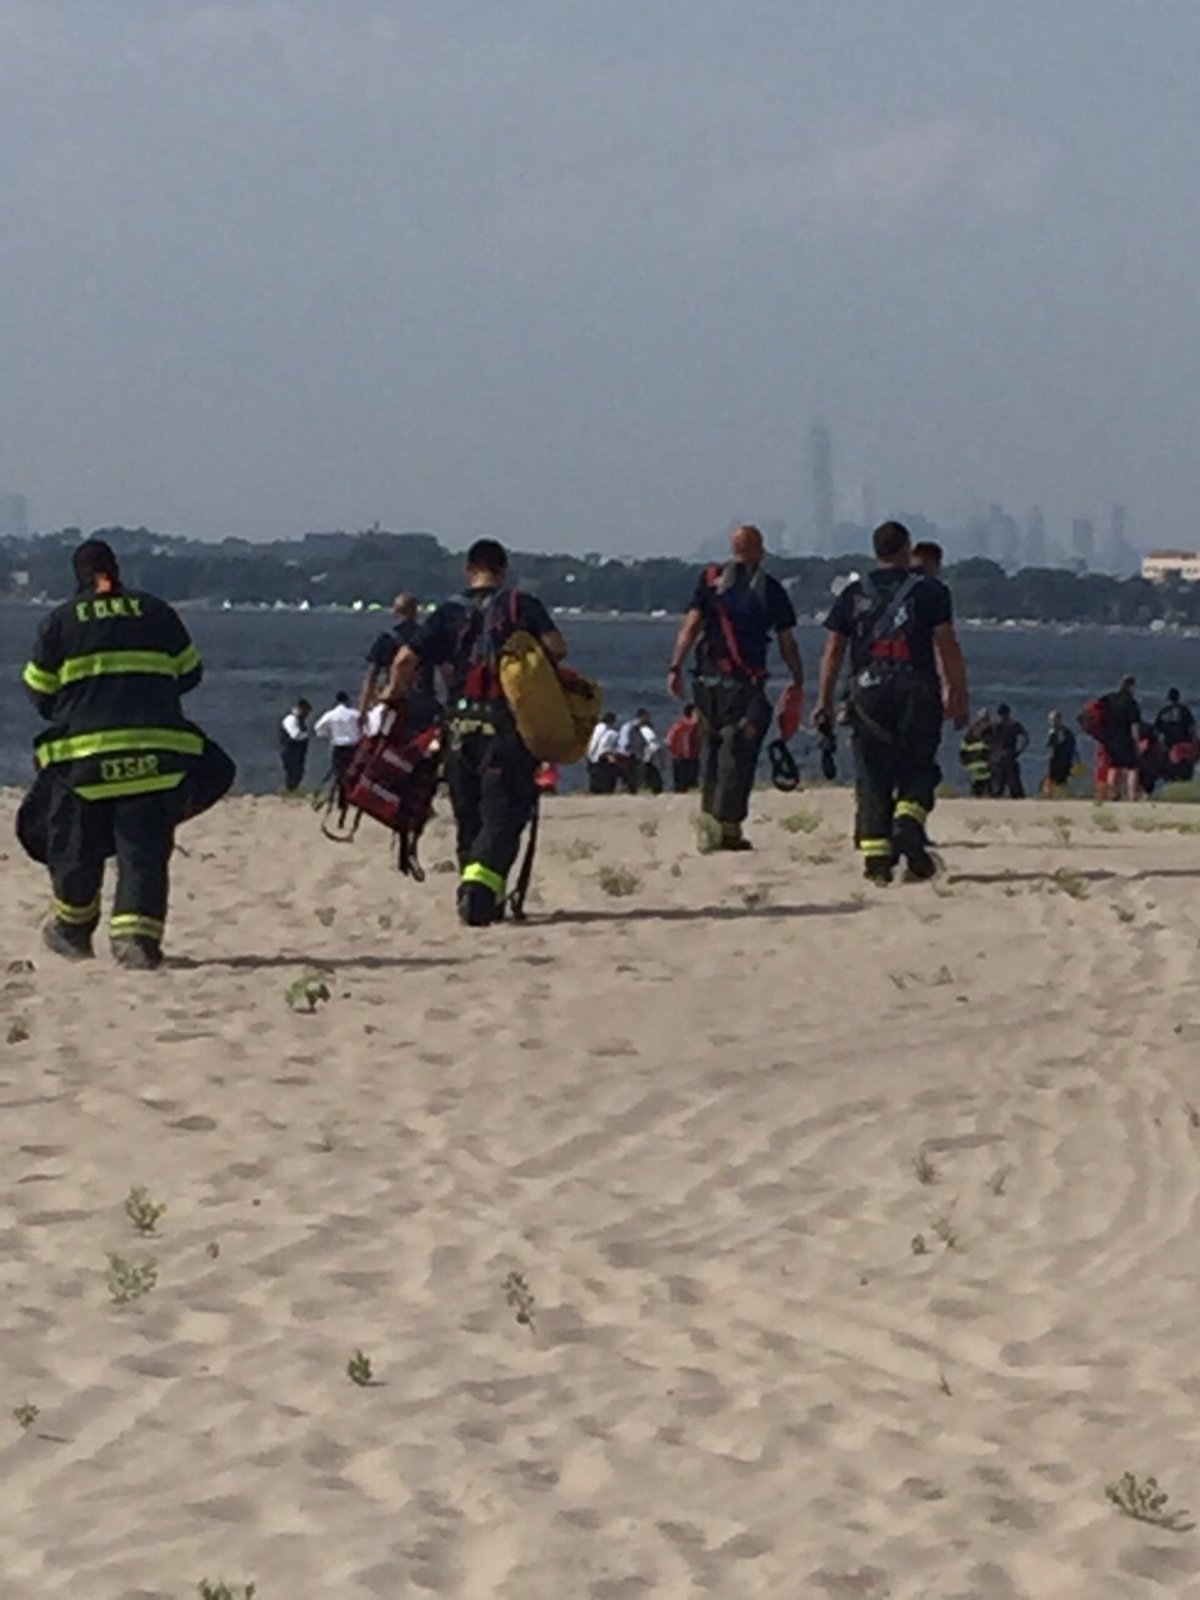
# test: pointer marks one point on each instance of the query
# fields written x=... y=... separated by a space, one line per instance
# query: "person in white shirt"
x=293 y=745
x=602 y=756
x=636 y=745
x=342 y=726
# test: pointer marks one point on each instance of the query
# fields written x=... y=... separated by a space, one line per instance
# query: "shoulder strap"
x=885 y=619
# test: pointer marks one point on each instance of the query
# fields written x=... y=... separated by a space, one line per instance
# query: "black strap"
x=785 y=774
x=885 y=618
x=516 y=900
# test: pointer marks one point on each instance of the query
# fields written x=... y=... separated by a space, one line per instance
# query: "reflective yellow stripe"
x=114 y=741
x=132 y=925
x=129 y=786
x=77 y=916
x=875 y=847
x=910 y=808
x=476 y=873
x=39 y=680
x=187 y=660
x=108 y=662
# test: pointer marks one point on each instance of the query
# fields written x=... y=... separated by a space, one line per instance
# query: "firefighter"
x=107 y=672
x=735 y=611
x=490 y=773
x=907 y=673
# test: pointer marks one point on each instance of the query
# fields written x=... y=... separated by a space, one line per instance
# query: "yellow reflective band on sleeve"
x=187 y=661
x=77 y=916
x=115 y=741
x=910 y=808
x=132 y=925
x=124 y=787
x=875 y=847
x=476 y=873
x=111 y=663
x=39 y=680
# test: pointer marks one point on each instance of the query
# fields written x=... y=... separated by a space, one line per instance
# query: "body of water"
x=258 y=663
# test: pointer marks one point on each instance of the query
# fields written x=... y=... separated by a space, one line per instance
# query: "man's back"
x=108 y=672
x=467 y=631
x=742 y=608
x=890 y=618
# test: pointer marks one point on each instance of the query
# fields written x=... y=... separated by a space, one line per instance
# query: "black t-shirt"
x=1009 y=735
x=1122 y=714
x=389 y=644
x=450 y=637
x=755 y=607
x=926 y=606
x=1175 y=723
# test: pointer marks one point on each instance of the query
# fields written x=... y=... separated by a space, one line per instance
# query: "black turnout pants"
x=734 y=717
x=897 y=730
x=490 y=778
x=140 y=831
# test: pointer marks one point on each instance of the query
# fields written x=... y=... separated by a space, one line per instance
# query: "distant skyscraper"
x=14 y=516
x=870 y=508
x=1083 y=543
x=820 y=462
x=1119 y=557
x=1035 y=538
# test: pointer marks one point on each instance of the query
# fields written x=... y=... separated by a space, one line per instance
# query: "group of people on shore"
x=1133 y=755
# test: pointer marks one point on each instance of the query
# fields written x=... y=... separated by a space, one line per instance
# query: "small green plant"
x=358 y=1370
x=1144 y=1501
x=649 y=828
x=755 y=897
x=924 y=1168
x=519 y=1296
x=18 y=1031
x=802 y=821
x=944 y=1229
x=1061 y=828
x=25 y=1415
x=307 y=992
x=142 y=1210
x=619 y=882
x=918 y=1245
x=226 y=1591
x=579 y=849
x=129 y=1280
x=1181 y=794
x=1070 y=883
x=1105 y=820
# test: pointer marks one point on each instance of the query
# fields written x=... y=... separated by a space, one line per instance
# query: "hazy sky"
x=581 y=272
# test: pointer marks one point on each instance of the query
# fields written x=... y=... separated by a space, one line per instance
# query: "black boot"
x=476 y=905
x=138 y=953
x=73 y=944
x=913 y=846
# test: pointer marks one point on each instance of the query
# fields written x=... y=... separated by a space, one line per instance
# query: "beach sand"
x=860 y=1225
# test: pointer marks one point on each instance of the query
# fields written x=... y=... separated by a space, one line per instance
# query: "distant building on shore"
x=1160 y=565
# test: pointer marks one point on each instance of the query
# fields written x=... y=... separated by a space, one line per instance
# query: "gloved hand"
x=790 y=711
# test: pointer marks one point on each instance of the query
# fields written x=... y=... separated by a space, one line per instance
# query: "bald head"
x=747 y=545
x=404 y=607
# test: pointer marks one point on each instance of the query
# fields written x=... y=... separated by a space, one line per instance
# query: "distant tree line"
x=342 y=568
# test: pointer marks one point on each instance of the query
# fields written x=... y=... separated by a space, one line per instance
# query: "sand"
x=708 y=1123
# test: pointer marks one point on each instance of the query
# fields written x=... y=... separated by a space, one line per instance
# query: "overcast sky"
x=580 y=273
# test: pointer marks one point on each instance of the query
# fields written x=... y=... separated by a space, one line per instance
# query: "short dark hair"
x=1172 y=695
x=891 y=539
x=642 y=712
x=929 y=550
x=488 y=555
x=1004 y=711
x=94 y=559
x=1129 y=681
x=688 y=709
x=303 y=705
x=342 y=698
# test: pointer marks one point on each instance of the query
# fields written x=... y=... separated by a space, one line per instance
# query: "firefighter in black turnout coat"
x=107 y=672
x=489 y=771
x=907 y=674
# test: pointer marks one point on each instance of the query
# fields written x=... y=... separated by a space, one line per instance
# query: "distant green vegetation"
x=341 y=568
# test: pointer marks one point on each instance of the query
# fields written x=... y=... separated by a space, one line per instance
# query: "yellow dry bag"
x=556 y=709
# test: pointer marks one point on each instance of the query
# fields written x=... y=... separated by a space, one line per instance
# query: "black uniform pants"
x=294 y=756
x=897 y=730
x=140 y=831
x=1006 y=777
x=490 y=778
x=734 y=717
x=685 y=774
